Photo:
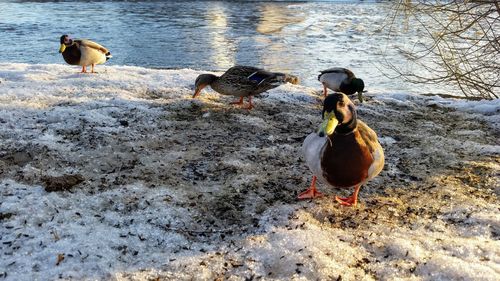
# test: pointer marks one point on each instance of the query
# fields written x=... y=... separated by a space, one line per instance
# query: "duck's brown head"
x=202 y=81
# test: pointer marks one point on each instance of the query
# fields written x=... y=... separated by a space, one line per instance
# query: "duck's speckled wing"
x=244 y=81
x=371 y=140
x=241 y=71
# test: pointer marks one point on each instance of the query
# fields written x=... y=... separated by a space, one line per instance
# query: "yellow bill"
x=329 y=124
x=63 y=47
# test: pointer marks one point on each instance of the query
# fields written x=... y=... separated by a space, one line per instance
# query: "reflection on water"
x=274 y=17
x=297 y=37
x=223 y=49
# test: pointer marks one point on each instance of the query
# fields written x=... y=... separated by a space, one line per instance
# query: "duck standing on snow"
x=243 y=81
x=83 y=52
x=345 y=152
x=342 y=80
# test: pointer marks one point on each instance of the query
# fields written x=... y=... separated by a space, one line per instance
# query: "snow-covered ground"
x=122 y=175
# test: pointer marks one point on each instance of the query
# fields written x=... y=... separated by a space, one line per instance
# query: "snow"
x=176 y=188
x=491 y=110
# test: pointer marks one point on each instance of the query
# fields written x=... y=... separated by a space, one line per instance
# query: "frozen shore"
x=159 y=185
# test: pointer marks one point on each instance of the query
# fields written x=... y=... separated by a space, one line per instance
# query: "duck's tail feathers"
x=292 y=79
x=108 y=55
x=283 y=78
x=273 y=78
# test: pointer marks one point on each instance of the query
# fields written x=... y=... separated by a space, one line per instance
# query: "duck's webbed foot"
x=350 y=201
x=239 y=102
x=311 y=192
x=250 y=104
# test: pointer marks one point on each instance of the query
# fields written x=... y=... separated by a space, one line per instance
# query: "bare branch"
x=458 y=44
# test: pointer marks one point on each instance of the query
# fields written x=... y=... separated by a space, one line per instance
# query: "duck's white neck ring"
x=346 y=134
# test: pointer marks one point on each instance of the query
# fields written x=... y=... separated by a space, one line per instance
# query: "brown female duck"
x=345 y=153
x=243 y=81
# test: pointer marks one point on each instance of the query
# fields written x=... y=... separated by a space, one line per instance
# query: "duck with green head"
x=83 y=52
x=341 y=80
x=243 y=81
x=344 y=153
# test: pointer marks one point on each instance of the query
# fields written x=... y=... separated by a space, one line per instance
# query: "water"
x=297 y=37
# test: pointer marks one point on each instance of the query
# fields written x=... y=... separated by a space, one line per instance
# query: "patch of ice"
x=291 y=94
x=236 y=163
x=387 y=140
x=251 y=120
x=485 y=107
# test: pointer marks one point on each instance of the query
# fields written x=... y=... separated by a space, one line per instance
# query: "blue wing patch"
x=257 y=77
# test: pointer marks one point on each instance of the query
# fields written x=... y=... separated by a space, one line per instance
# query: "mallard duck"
x=345 y=153
x=243 y=81
x=342 y=80
x=83 y=52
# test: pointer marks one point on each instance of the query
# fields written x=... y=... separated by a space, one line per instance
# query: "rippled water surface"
x=297 y=37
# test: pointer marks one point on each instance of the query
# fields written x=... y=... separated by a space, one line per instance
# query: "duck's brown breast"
x=345 y=162
x=72 y=55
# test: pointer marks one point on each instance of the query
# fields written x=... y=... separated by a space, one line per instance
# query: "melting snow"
x=177 y=188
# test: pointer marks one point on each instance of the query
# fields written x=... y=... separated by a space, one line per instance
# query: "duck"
x=83 y=52
x=342 y=80
x=344 y=153
x=243 y=81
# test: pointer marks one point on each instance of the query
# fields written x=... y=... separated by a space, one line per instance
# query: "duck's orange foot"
x=350 y=201
x=239 y=102
x=311 y=193
x=250 y=105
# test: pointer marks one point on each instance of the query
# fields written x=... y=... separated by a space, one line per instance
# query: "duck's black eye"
x=341 y=103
